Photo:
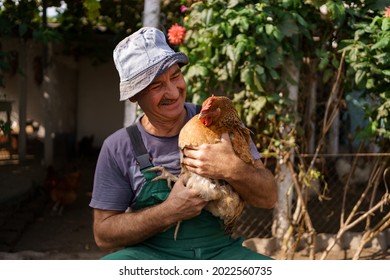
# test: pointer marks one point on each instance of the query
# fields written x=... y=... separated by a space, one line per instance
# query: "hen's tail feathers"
x=176 y=230
x=229 y=228
x=231 y=222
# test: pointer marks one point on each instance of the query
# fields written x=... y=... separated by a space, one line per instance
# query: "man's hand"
x=211 y=160
x=185 y=203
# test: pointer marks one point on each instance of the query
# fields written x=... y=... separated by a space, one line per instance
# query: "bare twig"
x=349 y=223
x=346 y=186
x=301 y=211
x=329 y=120
x=372 y=233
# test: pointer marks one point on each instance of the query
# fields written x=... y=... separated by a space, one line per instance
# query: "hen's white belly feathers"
x=223 y=201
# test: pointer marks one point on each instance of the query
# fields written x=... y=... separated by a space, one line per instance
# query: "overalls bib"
x=201 y=237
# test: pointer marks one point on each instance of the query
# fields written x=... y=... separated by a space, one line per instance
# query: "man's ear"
x=133 y=99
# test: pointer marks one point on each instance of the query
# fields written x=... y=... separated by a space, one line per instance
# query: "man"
x=134 y=216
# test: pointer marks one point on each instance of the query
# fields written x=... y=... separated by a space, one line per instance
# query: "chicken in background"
x=217 y=116
x=62 y=188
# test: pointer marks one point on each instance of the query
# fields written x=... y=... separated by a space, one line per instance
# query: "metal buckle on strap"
x=144 y=161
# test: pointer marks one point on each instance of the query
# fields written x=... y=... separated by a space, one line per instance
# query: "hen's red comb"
x=208 y=104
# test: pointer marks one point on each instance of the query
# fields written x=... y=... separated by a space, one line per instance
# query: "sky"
x=52 y=11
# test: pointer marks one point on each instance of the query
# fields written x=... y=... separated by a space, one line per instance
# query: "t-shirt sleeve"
x=111 y=188
x=255 y=153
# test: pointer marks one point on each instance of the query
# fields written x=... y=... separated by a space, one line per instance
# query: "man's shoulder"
x=117 y=135
x=118 y=145
x=191 y=108
x=117 y=138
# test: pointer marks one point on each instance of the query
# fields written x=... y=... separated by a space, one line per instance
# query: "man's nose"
x=171 y=90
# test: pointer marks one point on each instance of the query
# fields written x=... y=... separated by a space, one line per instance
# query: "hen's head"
x=217 y=108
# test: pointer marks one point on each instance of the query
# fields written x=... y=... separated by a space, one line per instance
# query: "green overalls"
x=200 y=238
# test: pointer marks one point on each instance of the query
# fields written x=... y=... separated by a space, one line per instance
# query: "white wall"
x=99 y=110
x=86 y=99
x=34 y=94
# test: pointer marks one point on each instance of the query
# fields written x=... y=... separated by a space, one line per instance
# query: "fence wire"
x=325 y=212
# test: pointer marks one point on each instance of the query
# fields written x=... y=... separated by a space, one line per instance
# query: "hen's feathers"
x=62 y=188
x=217 y=116
x=190 y=138
x=240 y=139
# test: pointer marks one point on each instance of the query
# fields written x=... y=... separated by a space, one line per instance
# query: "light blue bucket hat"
x=142 y=57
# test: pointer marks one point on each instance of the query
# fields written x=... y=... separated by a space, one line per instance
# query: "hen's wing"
x=240 y=138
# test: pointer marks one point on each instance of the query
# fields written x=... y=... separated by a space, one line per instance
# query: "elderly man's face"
x=165 y=96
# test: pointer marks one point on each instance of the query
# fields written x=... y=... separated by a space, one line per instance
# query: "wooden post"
x=22 y=101
x=151 y=18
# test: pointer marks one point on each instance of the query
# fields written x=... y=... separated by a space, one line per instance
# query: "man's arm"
x=114 y=229
x=255 y=184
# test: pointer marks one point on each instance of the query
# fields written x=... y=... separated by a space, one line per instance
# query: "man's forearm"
x=115 y=229
x=255 y=184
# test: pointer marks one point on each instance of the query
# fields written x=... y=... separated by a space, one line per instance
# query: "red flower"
x=387 y=12
x=176 y=34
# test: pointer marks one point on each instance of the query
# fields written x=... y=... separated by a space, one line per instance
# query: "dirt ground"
x=69 y=236
x=50 y=235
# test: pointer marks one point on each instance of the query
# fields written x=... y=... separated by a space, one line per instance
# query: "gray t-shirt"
x=118 y=180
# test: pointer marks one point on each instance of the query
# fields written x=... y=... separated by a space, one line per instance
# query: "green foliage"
x=239 y=48
x=86 y=28
x=367 y=55
x=4 y=66
x=5 y=126
x=93 y=9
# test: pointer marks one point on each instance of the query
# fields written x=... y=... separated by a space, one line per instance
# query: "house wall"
x=81 y=99
x=12 y=81
x=99 y=110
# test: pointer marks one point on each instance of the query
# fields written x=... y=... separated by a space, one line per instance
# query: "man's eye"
x=154 y=86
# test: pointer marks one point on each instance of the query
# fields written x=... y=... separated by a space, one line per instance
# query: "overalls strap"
x=142 y=155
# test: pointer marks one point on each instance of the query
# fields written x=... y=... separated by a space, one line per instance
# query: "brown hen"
x=216 y=117
x=62 y=188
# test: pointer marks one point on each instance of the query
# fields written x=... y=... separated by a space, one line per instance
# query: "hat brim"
x=130 y=88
